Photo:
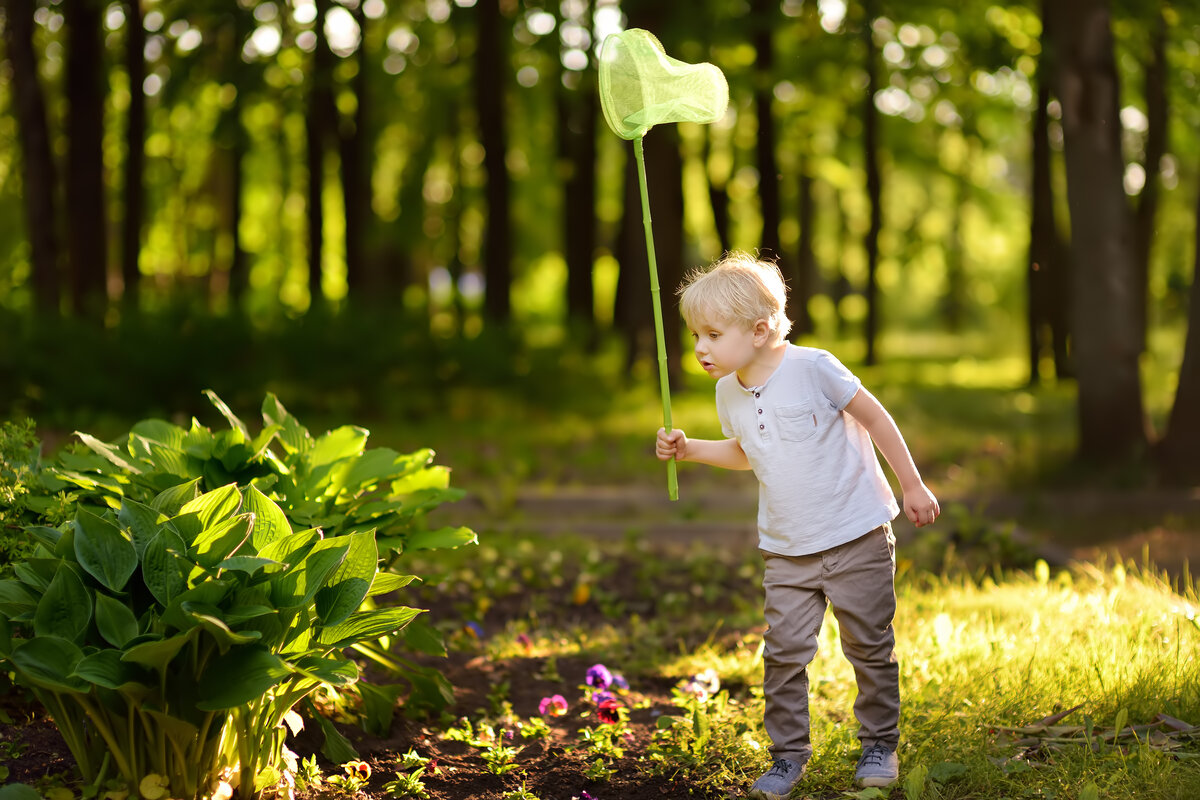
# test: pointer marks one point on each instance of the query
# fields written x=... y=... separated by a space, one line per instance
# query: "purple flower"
x=601 y=696
x=555 y=706
x=599 y=677
x=619 y=683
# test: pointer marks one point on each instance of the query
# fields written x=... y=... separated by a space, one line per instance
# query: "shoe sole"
x=878 y=783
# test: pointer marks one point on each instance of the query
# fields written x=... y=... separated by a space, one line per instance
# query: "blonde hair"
x=737 y=288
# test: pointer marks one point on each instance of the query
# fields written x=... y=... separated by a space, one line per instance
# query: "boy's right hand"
x=671 y=445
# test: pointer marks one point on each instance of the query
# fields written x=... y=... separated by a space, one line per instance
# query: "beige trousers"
x=856 y=580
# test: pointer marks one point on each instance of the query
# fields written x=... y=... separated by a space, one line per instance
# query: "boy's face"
x=723 y=347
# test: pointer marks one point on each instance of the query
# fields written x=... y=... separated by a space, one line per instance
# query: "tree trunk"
x=86 y=78
x=37 y=173
x=491 y=66
x=1179 y=445
x=1042 y=231
x=806 y=257
x=356 y=149
x=317 y=121
x=874 y=190
x=577 y=119
x=1105 y=336
x=718 y=194
x=1156 y=148
x=135 y=155
x=762 y=15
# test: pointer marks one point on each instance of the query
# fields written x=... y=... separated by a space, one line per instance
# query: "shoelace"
x=782 y=767
x=874 y=755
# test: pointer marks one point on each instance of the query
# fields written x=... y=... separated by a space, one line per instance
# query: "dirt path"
x=1159 y=525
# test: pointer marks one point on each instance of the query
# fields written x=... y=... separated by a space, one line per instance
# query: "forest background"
x=384 y=209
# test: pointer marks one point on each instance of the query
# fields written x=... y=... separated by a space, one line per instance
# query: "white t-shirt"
x=820 y=483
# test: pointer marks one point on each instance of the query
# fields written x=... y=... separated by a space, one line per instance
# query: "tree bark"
x=874 y=190
x=762 y=14
x=38 y=174
x=317 y=121
x=355 y=152
x=577 y=118
x=1156 y=147
x=491 y=66
x=806 y=256
x=87 y=246
x=1179 y=445
x=135 y=156
x=1105 y=336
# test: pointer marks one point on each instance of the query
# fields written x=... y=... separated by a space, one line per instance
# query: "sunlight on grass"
x=1110 y=650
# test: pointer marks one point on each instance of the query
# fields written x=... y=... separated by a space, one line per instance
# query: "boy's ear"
x=762 y=331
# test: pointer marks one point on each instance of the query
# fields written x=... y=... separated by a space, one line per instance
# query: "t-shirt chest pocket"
x=796 y=422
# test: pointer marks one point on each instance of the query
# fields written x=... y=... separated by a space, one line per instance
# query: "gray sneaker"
x=778 y=781
x=877 y=767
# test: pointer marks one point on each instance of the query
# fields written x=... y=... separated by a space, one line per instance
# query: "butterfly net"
x=641 y=86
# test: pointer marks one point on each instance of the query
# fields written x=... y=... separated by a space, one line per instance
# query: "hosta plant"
x=202 y=584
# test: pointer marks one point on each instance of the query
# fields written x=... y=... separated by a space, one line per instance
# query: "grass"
x=985 y=667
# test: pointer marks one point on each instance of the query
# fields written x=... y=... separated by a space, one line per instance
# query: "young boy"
x=808 y=429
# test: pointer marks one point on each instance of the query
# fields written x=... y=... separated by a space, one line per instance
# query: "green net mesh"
x=641 y=86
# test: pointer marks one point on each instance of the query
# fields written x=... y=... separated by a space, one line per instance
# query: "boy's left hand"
x=920 y=506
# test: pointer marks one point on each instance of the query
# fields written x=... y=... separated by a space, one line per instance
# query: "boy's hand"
x=920 y=506
x=671 y=445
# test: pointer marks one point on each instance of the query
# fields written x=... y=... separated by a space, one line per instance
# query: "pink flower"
x=555 y=706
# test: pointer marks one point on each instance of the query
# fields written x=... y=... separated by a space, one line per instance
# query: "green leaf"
x=294 y=436
x=334 y=671
x=115 y=620
x=215 y=506
x=219 y=404
x=337 y=748
x=442 y=538
x=142 y=521
x=19 y=791
x=165 y=567
x=386 y=582
x=209 y=618
x=65 y=609
x=165 y=433
x=299 y=585
x=257 y=670
x=15 y=599
x=947 y=771
x=105 y=668
x=419 y=635
x=181 y=732
x=48 y=663
x=217 y=542
x=379 y=706
x=270 y=523
x=104 y=550
x=349 y=584
x=109 y=452
x=344 y=442
x=171 y=500
x=248 y=565
x=46 y=535
x=157 y=654
x=367 y=625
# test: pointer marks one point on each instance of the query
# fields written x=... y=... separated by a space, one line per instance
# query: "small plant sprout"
x=412 y=760
x=355 y=779
x=534 y=728
x=519 y=794
x=408 y=784
x=500 y=759
x=599 y=771
x=308 y=774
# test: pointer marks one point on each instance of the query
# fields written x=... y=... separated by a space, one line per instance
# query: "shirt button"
x=760 y=411
x=758 y=394
x=762 y=427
